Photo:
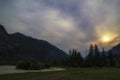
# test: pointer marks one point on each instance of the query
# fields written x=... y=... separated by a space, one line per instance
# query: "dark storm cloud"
x=65 y=23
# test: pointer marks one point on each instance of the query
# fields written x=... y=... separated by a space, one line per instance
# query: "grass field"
x=69 y=74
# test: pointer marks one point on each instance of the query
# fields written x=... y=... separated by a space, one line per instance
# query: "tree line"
x=95 y=58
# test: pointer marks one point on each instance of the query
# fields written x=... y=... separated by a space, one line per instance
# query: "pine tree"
x=80 y=59
x=111 y=59
x=104 y=59
x=75 y=58
x=97 y=57
x=90 y=57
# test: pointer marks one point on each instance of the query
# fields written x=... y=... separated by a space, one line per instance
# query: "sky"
x=66 y=24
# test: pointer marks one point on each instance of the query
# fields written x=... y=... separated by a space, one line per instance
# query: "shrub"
x=23 y=64
x=46 y=65
x=31 y=65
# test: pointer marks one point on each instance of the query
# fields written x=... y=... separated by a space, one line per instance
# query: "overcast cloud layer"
x=65 y=23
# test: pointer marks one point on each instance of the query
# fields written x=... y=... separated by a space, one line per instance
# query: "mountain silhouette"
x=16 y=46
x=116 y=49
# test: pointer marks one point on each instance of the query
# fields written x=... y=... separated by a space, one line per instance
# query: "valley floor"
x=69 y=74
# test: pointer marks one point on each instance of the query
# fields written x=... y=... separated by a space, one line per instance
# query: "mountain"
x=3 y=34
x=16 y=46
x=116 y=49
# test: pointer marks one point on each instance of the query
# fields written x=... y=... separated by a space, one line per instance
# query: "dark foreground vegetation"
x=95 y=58
x=70 y=74
x=29 y=64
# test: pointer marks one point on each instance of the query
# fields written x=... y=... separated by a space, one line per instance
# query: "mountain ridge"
x=116 y=49
x=18 y=46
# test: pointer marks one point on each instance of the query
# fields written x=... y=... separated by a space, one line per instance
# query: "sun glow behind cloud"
x=106 y=39
x=107 y=33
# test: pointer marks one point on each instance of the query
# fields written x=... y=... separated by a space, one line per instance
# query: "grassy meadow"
x=69 y=74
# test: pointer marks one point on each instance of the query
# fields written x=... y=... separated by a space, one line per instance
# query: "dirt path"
x=11 y=69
